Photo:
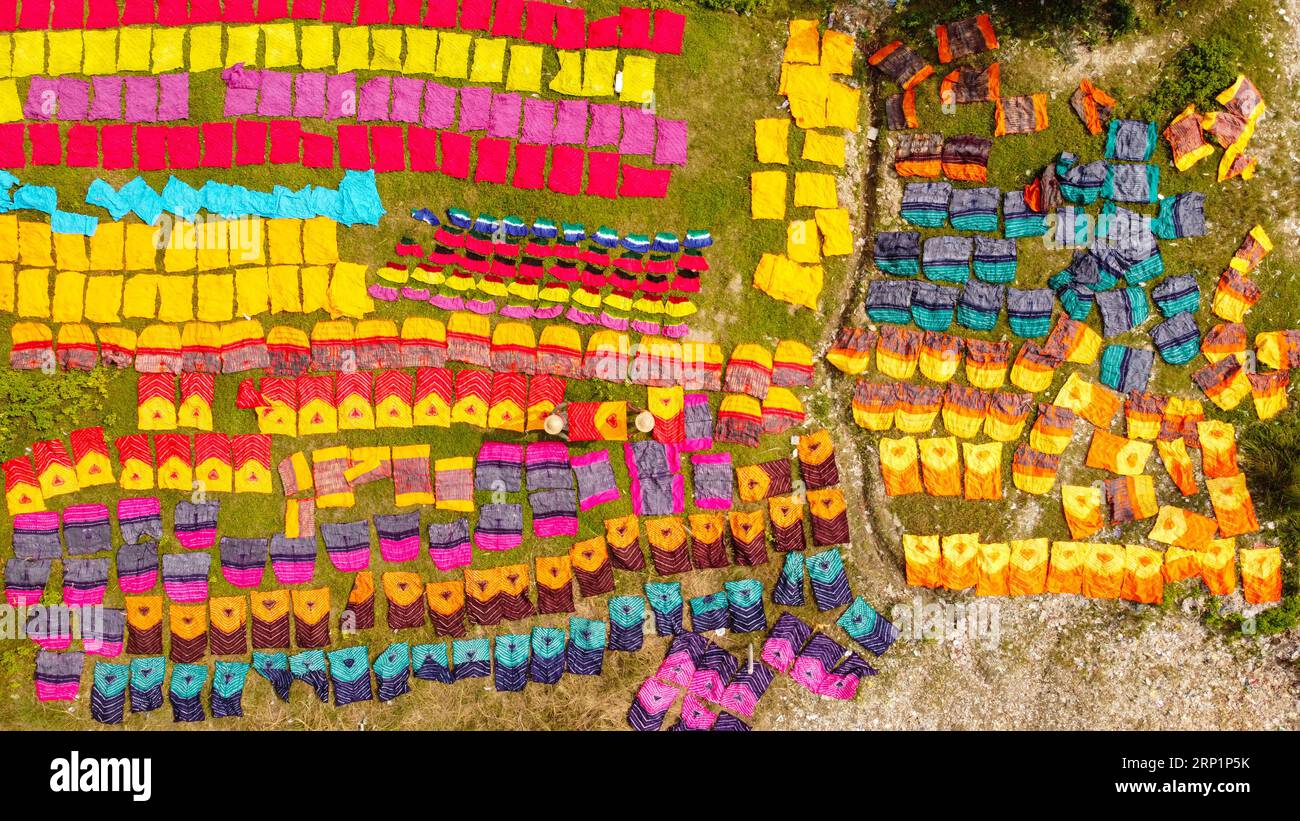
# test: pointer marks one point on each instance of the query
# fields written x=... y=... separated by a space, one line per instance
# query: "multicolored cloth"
x=666 y=604
x=830 y=584
x=185 y=692
x=347 y=544
x=500 y=526
x=595 y=479
x=350 y=674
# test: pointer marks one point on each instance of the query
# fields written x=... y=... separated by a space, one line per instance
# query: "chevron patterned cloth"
x=748 y=685
x=789 y=588
x=144 y=624
x=623 y=539
x=748 y=537
x=185 y=692
x=745 y=603
x=274 y=667
x=189 y=632
x=814 y=663
x=510 y=656
x=228 y=625
x=431 y=662
x=651 y=704
x=668 y=545
x=842 y=683
x=666 y=604
x=226 y=698
x=393 y=671
x=350 y=675
x=683 y=656
x=695 y=716
x=817 y=465
x=714 y=667
x=830 y=584
x=309 y=668
x=311 y=617
x=404 y=593
x=447 y=607
x=708 y=533
x=710 y=613
x=626 y=623
x=243 y=562
x=269 y=612
x=108 y=692
x=867 y=627
x=470 y=658
x=546 y=665
x=585 y=653
x=785 y=518
x=146 y=687
x=784 y=642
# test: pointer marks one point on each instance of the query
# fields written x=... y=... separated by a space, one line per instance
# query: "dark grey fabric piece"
x=36 y=536
x=898 y=245
x=346 y=535
x=501 y=518
x=285 y=549
x=85 y=572
x=1132 y=141
x=651 y=459
x=449 y=535
x=499 y=468
x=595 y=478
x=185 y=564
x=88 y=533
x=137 y=558
x=553 y=502
x=242 y=553
x=27 y=574
x=983 y=296
x=713 y=481
x=947 y=250
x=890 y=294
x=699 y=421
x=64 y=666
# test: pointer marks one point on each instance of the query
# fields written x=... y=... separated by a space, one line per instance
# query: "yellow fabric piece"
x=241 y=44
x=807 y=87
x=29 y=53
x=638 y=80
x=489 y=60
x=134 y=49
x=9 y=237
x=284 y=236
x=168 y=49
x=6 y=63
x=205 y=48
x=421 y=49
x=386 y=49
x=837 y=52
x=181 y=252
x=213 y=241
x=525 y=68
x=216 y=297
x=140 y=296
x=317 y=46
x=176 y=299
x=842 y=106
x=280 y=44
x=598 y=69
x=283 y=285
x=801 y=47
x=34 y=244
x=7 y=287
x=252 y=293
x=772 y=140
x=106 y=247
x=347 y=291
x=781 y=278
x=837 y=235
x=315 y=289
x=828 y=149
x=11 y=108
x=70 y=252
x=65 y=52
x=453 y=55
x=319 y=241
x=104 y=299
x=568 y=80
x=69 y=293
x=34 y=293
x=767 y=195
x=801 y=241
x=99 y=52
x=140 y=251
x=814 y=190
x=354 y=48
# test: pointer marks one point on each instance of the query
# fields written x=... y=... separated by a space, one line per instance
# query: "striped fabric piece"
x=423 y=343
x=185 y=692
x=830 y=522
x=694 y=716
x=842 y=683
x=278 y=411
x=592 y=567
x=146 y=684
x=195 y=524
x=58 y=675
x=309 y=667
x=817 y=465
x=473 y=398
x=393 y=671
x=198 y=391
x=288 y=352
x=175 y=462
x=393 y=399
x=243 y=562
x=867 y=627
x=329 y=475
x=228 y=625
x=656 y=484
x=623 y=539
x=745 y=602
x=668 y=545
x=554 y=585
x=651 y=704
x=433 y=397
x=311 y=617
x=748 y=685
x=545 y=394
x=470 y=658
x=813 y=665
x=709 y=613
x=274 y=667
x=293 y=560
x=595 y=478
x=508 y=402
x=555 y=513
x=404 y=593
x=500 y=526
x=252 y=462
x=189 y=632
x=54 y=469
x=36 y=535
x=830 y=584
x=626 y=623
x=350 y=674
x=728 y=723
x=269 y=611
x=347 y=544
x=748 y=537
x=108 y=692
x=714 y=667
x=510 y=656
x=667 y=606
x=332 y=345
x=585 y=653
x=712 y=480
x=185 y=576
x=412 y=484
x=399 y=536
x=90 y=456
x=50 y=627
x=25 y=581
x=156 y=402
x=708 y=533
x=499 y=467
x=785 y=516
x=213 y=462
x=430 y=662
x=547 y=466
x=144 y=628
x=683 y=657
x=84 y=581
x=376 y=344
x=226 y=698
x=317 y=405
x=447 y=607
x=546 y=665
x=449 y=543
x=698 y=418
x=789 y=588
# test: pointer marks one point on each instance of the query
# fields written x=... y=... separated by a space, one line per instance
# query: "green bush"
x=35 y=405
x=738 y=6
x=1194 y=75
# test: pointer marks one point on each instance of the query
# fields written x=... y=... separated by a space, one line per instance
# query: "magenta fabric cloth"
x=372 y=102
x=505 y=115
x=74 y=99
x=42 y=99
x=407 y=93
x=606 y=120
x=670 y=147
x=241 y=90
x=340 y=96
x=309 y=94
x=141 y=99
x=475 y=105
x=276 y=99
x=638 y=132
x=439 y=105
x=570 y=123
x=106 y=98
x=174 y=97
x=539 y=121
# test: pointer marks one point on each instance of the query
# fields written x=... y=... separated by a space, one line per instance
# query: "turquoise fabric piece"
x=45 y=199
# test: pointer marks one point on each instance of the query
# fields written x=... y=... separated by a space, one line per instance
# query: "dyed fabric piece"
x=712 y=480
x=745 y=603
x=666 y=604
x=293 y=560
x=36 y=535
x=137 y=567
x=898 y=252
x=274 y=667
x=84 y=581
x=789 y=588
x=500 y=526
x=309 y=667
x=399 y=536
x=830 y=585
x=349 y=671
x=868 y=628
x=974 y=209
x=926 y=204
x=227 y=694
x=651 y=704
x=595 y=479
x=25 y=581
x=947 y=258
x=195 y=524
x=1126 y=369
x=185 y=576
x=58 y=675
x=449 y=544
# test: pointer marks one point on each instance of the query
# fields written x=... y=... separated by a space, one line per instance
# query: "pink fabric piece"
x=317 y=151
x=141 y=99
x=74 y=99
x=173 y=97
x=83 y=146
x=407 y=92
x=106 y=98
x=539 y=121
x=389 y=145
x=309 y=94
x=276 y=99
x=645 y=182
x=241 y=89
x=602 y=174
x=183 y=146
x=286 y=142
x=340 y=96
x=570 y=123
x=118 y=146
x=606 y=120
x=670 y=147
x=638 y=132
x=505 y=115
x=508 y=18
x=42 y=99
x=372 y=102
x=218 y=144
x=570 y=27
x=151 y=147
x=530 y=167
x=250 y=142
x=668 y=30
x=354 y=147
x=439 y=105
x=422 y=145
x=475 y=104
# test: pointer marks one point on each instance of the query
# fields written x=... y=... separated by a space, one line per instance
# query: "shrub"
x=738 y=6
x=1195 y=74
x=34 y=405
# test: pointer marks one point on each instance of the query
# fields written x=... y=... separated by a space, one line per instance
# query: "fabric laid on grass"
x=1126 y=369
x=1019 y=220
x=946 y=259
x=918 y=155
x=995 y=259
x=986 y=362
x=900 y=111
x=933 y=305
x=1182 y=215
x=898 y=252
x=926 y=204
x=1187 y=140
x=1226 y=382
x=904 y=66
x=500 y=526
x=890 y=301
x=962 y=38
x=1177 y=339
x=1177 y=294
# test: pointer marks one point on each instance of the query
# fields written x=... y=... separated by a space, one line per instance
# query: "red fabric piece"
x=173 y=12
x=317 y=151
x=117 y=143
x=422 y=144
x=354 y=147
x=634 y=28
x=139 y=12
x=205 y=11
x=602 y=174
x=218 y=145
x=183 y=146
x=286 y=142
x=669 y=28
x=12 y=154
x=475 y=15
x=34 y=15
x=407 y=12
x=455 y=154
x=47 y=149
x=374 y=11
x=267 y=10
x=539 y=27
x=250 y=142
x=570 y=27
x=603 y=32
x=566 y=170
x=493 y=158
x=151 y=147
x=83 y=146
x=68 y=14
x=104 y=14
x=530 y=167
x=441 y=14
x=241 y=11
x=645 y=182
x=307 y=9
x=509 y=19
x=8 y=15
x=340 y=11
x=389 y=147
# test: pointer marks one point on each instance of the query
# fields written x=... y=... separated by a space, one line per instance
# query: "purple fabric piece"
x=141 y=99
x=539 y=121
x=372 y=102
x=407 y=92
x=241 y=89
x=605 y=122
x=106 y=101
x=505 y=115
x=670 y=147
x=475 y=103
x=439 y=105
x=42 y=97
x=570 y=123
x=340 y=96
x=309 y=94
x=74 y=98
x=638 y=132
x=276 y=99
x=174 y=96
